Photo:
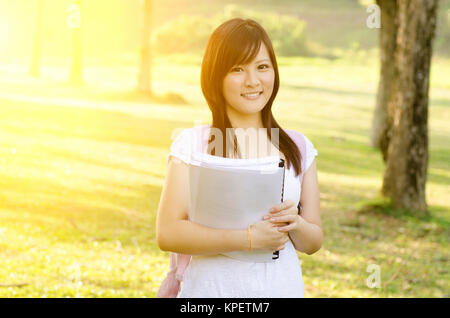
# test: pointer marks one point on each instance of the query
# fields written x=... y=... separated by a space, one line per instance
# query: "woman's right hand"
x=265 y=236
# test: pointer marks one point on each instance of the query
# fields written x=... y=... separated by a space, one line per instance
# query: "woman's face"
x=256 y=77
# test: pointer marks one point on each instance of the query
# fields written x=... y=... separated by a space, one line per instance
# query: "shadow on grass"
x=340 y=156
x=89 y=123
x=442 y=102
x=127 y=207
x=64 y=155
x=88 y=92
x=384 y=207
x=339 y=92
x=140 y=97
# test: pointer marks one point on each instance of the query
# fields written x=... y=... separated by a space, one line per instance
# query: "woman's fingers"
x=269 y=216
x=286 y=228
x=282 y=206
x=281 y=213
x=284 y=218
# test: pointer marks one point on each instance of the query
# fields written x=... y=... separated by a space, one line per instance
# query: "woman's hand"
x=285 y=213
x=265 y=236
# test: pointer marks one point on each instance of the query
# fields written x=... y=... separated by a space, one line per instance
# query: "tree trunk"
x=76 y=72
x=388 y=35
x=35 y=66
x=144 y=82
x=407 y=155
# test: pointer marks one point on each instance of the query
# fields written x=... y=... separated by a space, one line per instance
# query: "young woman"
x=240 y=80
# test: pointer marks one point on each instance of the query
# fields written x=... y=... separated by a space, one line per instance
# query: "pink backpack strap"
x=170 y=286
x=299 y=140
x=182 y=263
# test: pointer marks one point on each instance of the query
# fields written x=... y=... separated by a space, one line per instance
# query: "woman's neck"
x=239 y=120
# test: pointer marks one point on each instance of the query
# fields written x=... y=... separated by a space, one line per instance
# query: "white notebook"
x=234 y=193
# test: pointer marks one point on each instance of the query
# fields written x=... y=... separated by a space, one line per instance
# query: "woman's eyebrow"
x=255 y=62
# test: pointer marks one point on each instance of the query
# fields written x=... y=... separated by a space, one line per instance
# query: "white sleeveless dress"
x=219 y=276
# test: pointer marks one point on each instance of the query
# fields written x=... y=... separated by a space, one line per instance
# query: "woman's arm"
x=305 y=231
x=307 y=236
x=175 y=233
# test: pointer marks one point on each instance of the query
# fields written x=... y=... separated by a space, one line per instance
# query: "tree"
x=144 y=82
x=388 y=36
x=35 y=66
x=407 y=116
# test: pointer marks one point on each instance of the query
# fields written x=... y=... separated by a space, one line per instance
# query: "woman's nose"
x=251 y=80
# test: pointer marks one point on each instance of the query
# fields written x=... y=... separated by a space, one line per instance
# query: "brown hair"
x=235 y=42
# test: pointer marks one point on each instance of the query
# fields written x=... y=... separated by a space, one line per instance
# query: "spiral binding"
x=276 y=254
x=281 y=164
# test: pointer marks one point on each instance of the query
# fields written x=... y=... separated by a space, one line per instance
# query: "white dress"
x=220 y=276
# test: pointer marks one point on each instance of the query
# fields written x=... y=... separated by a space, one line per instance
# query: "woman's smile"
x=253 y=96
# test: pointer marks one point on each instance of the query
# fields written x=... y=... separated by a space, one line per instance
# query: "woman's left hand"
x=285 y=212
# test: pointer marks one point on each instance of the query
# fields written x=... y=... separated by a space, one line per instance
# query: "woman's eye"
x=239 y=68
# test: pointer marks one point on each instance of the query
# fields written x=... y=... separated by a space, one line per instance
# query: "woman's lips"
x=252 y=97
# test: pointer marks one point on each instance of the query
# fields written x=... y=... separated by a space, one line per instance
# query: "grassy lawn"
x=80 y=181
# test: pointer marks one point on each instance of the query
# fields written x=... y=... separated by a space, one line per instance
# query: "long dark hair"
x=235 y=42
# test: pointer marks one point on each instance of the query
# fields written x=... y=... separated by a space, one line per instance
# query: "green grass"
x=81 y=179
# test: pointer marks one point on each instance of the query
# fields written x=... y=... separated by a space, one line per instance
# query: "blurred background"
x=92 y=94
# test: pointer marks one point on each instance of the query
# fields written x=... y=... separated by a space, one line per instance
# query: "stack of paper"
x=234 y=193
